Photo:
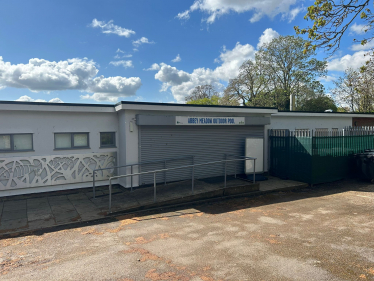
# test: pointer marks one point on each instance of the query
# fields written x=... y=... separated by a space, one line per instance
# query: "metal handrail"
x=233 y=155
x=244 y=158
x=131 y=165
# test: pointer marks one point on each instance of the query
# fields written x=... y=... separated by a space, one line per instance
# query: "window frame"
x=72 y=140
x=12 y=150
x=111 y=145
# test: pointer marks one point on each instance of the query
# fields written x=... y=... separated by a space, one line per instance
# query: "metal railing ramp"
x=186 y=189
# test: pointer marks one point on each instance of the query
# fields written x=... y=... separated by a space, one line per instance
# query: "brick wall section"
x=360 y=121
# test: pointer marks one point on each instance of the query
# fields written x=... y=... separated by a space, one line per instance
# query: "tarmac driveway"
x=320 y=233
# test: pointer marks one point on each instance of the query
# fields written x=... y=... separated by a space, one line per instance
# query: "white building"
x=46 y=147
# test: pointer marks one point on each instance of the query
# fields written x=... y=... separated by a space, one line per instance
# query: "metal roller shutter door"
x=205 y=143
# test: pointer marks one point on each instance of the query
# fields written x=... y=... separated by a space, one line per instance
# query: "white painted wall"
x=293 y=122
x=129 y=146
x=43 y=125
x=121 y=144
x=196 y=113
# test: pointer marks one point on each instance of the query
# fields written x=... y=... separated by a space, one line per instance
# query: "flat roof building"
x=46 y=146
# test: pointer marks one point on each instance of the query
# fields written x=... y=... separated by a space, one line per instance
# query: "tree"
x=249 y=83
x=202 y=92
x=319 y=104
x=289 y=68
x=331 y=19
x=308 y=92
x=355 y=90
x=214 y=100
x=343 y=109
x=345 y=90
x=228 y=99
x=207 y=95
x=280 y=69
x=366 y=89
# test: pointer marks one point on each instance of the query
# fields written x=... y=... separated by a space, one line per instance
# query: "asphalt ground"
x=320 y=233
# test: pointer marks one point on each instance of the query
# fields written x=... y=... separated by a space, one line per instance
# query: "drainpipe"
x=292 y=102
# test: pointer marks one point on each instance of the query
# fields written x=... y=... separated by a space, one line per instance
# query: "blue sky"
x=144 y=50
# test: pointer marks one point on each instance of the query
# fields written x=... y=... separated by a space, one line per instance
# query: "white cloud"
x=29 y=99
x=327 y=78
x=112 y=88
x=110 y=28
x=177 y=59
x=124 y=63
x=118 y=56
x=182 y=83
x=232 y=60
x=72 y=74
x=141 y=41
x=355 y=61
x=124 y=56
x=153 y=67
x=358 y=28
x=293 y=13
x=171 y=75
x=260 y=8
x=266 y=37
x=184 y=16
x=56 y=100
x=359 y=47
x=43 y=75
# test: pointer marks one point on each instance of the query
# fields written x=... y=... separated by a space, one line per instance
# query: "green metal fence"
x=315 y=159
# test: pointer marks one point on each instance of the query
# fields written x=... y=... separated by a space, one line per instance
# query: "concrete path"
x=274 y=183
x=44 y=210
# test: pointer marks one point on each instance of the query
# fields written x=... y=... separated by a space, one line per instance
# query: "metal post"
x=225 y=171
x=154 y=187
x=93 y=188
x=110 y=195
x=254 y=170
x=118 y=172
x=235 y=167
x=165 y=172
x=193 y=177
x=131 y=178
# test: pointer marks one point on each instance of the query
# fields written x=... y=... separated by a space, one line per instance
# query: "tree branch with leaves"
x=332 y=18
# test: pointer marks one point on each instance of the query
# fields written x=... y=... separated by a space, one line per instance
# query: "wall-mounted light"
x=131 y=126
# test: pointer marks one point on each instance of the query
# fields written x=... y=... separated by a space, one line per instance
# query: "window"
x=16 y=142
x=108 y=139
x=71 y=140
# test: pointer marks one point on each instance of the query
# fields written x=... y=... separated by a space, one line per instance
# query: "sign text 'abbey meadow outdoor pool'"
x=187 y=120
